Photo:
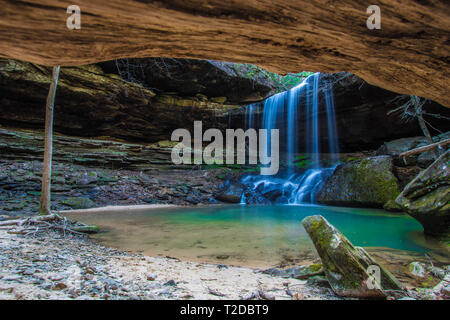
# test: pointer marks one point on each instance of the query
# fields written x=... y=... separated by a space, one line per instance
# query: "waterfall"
x=299 y=108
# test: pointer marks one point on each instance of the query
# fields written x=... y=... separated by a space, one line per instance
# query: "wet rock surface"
x=93 y=173
x=20 y=191
x=364 y=117
x=232 y=193
x=427 y=198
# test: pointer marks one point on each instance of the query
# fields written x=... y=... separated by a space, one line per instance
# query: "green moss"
x=78 y=203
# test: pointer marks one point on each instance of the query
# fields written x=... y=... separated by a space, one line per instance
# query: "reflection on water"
x=250 y=235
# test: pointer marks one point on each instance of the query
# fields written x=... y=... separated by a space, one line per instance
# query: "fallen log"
x=424 y=148
x=86 y=229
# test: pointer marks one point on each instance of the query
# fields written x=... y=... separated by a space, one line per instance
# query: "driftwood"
x=424 y=148
x=216 y=293
x=260 y=295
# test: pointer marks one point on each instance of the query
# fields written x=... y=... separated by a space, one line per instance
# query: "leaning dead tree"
x=48 y=148
x=439 y=145
x=412 y=108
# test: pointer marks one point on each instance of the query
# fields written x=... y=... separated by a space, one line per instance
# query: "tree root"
x=35 y=225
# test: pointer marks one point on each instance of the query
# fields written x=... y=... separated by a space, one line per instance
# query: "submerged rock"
x=348 y=268
x=365 y=183
x=427 y=198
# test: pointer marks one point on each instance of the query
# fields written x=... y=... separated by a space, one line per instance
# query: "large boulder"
x=348 y=268
x=427 y=197
x=364 y=183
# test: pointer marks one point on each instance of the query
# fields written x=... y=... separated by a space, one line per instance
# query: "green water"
x=250 y=235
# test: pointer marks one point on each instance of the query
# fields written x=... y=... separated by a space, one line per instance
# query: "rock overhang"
x=409 y=54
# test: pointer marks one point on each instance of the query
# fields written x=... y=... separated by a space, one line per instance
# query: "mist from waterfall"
x=289 y=111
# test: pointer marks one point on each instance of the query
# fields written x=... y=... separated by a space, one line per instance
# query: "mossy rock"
x=219 y=99
x=365 y=183
x=78 y=203
x=347 y=268
x=427 y=198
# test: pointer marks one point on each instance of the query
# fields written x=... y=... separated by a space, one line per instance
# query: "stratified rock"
x=427 y=197
x=348 y=268
x=217 y=81
x=365 y=183
x=232 y=194
x=78 y=203
x=92 y=103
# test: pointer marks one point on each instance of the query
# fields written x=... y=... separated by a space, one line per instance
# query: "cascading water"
x=287 y=111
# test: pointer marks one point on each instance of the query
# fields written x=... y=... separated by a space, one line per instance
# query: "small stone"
x=170 y=283
x=46 y=285
x=446 y=291
x=60 y=286
x=151 y=277
x=28 y=272
x=417 y=269
x=56 y=277
x=13 y=278
x=192 y=200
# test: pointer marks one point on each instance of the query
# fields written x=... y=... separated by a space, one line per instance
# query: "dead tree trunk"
x=48 y=149
x=423 y=125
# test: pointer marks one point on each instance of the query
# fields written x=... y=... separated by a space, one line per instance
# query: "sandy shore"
x=53 y=267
